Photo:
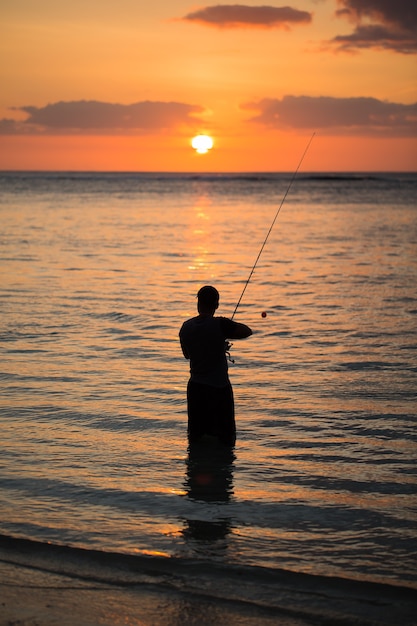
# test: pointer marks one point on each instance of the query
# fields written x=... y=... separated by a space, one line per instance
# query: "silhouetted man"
x=210 y=400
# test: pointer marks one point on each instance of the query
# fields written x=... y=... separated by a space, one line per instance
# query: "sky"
x=125 y=85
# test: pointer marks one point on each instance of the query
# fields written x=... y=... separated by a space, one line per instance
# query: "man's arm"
x=240 y=331
x=184 y=349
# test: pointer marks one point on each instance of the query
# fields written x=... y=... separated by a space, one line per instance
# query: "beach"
x=45 y=599
x=44 y=584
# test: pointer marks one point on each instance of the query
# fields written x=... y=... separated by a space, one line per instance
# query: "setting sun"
x=202 y=143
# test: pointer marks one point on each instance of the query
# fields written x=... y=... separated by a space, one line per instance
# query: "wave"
x=324 y=599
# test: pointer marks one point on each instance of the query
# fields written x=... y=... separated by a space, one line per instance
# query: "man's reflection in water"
x=209 y=478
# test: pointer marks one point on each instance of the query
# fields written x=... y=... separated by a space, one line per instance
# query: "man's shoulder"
x=188 y=323
x=225 y=322
x=234 y=330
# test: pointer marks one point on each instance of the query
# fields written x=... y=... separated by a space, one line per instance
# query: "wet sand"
x=42 y=599
x=43 y=585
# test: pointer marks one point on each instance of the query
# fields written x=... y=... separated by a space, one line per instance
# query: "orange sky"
x=125 y=85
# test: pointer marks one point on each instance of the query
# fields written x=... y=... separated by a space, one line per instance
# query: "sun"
x=202 y=143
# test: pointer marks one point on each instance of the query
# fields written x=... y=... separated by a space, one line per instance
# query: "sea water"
x=98 y=272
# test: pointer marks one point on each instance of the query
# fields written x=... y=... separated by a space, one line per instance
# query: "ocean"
x=99 y=271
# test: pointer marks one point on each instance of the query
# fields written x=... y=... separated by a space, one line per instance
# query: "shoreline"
x=46 y=585
x=38 y=598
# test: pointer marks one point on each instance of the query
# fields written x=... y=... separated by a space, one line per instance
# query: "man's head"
x=208 y=299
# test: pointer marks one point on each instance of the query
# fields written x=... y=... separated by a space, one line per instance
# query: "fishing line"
x=273 y=222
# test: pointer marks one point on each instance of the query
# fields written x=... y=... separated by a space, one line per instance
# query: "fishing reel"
x=227 y=347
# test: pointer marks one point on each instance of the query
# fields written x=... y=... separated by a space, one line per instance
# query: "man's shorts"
x=211 y=411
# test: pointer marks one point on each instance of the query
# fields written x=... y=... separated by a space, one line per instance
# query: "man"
x=209 y=393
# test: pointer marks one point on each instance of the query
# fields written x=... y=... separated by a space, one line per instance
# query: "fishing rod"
x=273 y=222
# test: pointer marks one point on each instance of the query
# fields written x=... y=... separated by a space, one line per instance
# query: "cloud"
x=92 y=117
x=242 y=16
x=401 y=12
x=380 y=24
x=334 y=116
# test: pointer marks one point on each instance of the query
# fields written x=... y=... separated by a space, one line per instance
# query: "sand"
x=29 y=598
x=43 y=585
